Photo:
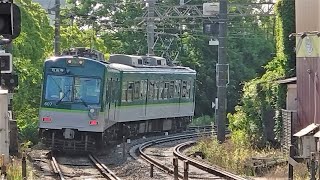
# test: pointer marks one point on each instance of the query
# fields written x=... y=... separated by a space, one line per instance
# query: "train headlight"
x=91 y=110
x=75 y=62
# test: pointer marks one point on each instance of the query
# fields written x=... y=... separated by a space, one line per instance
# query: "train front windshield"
x=73 y=89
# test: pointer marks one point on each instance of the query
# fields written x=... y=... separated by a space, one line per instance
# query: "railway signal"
x=5 y=63
x=9 y=81
x=10 y=20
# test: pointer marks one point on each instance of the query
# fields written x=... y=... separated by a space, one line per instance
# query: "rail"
x=163 y=140
x=104 y=170
x=56 y=167
x=205 y=167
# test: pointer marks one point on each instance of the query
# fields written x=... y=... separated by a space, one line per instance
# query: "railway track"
x=101 y=167
x=200 y=165
x=104 y=170
x=217 y=172
x=155 y=162
x=56 y=168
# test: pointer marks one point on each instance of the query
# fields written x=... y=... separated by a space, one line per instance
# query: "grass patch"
x=234 y=157
x=203 y=120
x=14 y=170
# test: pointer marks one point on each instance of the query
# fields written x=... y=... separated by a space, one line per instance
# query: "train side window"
x=124 y=91
x=161 y=89
x=130 y=91
x=151 y=90
x=184 y=89
x=165 y=90
x=156 y=90
x=137 y=90
x=171 y=89
x=143 y=89
x=177 y=89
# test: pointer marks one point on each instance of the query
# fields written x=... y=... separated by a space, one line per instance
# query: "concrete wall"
x=307 y=15
x=308 y=62
x=291 y=97
x=4 y=125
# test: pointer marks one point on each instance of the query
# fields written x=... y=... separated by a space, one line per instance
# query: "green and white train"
x=87 y=102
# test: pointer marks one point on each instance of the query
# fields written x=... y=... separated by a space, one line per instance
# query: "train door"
x=116 y=98
x=178 y=94
x=111 y=103
x=143 y=94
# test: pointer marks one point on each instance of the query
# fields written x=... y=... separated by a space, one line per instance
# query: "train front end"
x=71 y=116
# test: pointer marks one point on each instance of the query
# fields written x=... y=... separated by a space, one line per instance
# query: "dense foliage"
x=30 y=49
x=263 y=96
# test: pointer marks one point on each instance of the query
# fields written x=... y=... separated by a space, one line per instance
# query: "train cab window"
x=156 y=90
x=171 y=89
x=87 y=90
x=151 y=90
x=130 y=91
x=59 y=88
x=184 y=89
x=177 y=89
x=136 y=90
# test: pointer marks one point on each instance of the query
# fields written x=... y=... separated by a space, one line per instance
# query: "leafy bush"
x=203 y=120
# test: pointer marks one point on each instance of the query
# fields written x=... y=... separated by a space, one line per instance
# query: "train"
x=88 y=102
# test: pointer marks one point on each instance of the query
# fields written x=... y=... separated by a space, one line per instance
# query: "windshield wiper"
x=84 y=103
x=64 y=95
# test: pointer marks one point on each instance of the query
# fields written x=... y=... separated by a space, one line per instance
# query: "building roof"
x=291 y=80
x=317 y=134
x=3 y=91
x=306 y=130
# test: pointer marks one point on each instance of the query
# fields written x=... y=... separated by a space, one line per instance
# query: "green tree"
x=263 y=95
x=30 y=49
x=246 y=53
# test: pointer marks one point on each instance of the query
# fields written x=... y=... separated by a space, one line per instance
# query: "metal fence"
x=289 y=119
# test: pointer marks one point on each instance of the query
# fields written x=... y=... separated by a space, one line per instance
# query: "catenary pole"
x=222 y=71
x=150 y=26
x=57 y=28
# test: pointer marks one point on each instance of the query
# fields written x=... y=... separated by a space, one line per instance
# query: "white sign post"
x=4 y=125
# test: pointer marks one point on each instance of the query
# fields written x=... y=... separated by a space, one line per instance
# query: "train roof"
x=174 y=69
x=124 y=62
x=125 y=67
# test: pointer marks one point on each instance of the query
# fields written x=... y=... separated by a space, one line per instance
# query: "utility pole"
x=57 y=28
x=222 y=71
x=150 y=26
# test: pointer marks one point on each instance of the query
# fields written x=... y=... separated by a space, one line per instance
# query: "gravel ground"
x=41 y=164
x=127 y=168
